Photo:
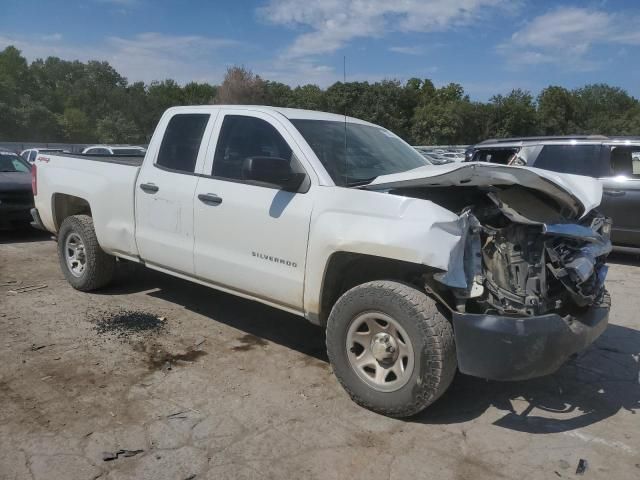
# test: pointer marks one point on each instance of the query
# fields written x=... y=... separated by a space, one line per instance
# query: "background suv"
x=110 y=150
x=615 y=161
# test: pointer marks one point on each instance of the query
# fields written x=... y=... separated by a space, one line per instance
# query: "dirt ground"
x=210 y=386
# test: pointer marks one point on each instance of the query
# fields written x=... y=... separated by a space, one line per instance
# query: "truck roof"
x=290 y=113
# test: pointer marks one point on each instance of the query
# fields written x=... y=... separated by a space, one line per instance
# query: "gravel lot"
x=210 y=386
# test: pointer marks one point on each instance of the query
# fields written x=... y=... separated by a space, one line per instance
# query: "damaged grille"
x=524 y=255
x=536 y=269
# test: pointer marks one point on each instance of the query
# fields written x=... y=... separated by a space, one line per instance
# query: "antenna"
x=344 y=90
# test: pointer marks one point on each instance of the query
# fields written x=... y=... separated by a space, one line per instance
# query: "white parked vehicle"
x=30 y=154
x=111 y=150
x=414 y=270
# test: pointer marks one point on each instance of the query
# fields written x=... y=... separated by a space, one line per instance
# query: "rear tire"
x=84 y=264
x=416 y=334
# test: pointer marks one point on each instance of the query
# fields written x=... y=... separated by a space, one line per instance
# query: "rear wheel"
x=84 y=264
x=391 y=348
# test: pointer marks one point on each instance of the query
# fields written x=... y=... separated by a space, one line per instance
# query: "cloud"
x=567 y=35
x=330 y=24
x=145 y=57
x=407 y=50
x=298 y=72
x=54 y=37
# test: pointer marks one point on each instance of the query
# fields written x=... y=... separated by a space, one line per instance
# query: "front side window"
x=32 y=156
x=576 y=159
x=243 y=137
x=181 y=142
x=355 y=153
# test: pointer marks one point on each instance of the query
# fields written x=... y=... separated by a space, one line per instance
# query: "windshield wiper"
x=358 y=183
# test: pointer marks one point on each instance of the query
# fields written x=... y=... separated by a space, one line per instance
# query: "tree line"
x=54 y=100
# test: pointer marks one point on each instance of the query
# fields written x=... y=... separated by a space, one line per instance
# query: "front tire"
x=84 y=264
x=391 y=348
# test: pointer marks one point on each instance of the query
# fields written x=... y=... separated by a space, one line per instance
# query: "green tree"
x=558 y=111
x=194 y=93
x=442 y=114
x=53 y=99
x=602 y=109
x=310 y=97
x=278 y=94
x=513 y=115
x=115 y=128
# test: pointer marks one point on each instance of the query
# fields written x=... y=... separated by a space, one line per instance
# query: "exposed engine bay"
x=521 y=252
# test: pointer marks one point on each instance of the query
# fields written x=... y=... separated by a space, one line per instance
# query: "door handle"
x=210 y=199
x=614 y=193
x=149 y=187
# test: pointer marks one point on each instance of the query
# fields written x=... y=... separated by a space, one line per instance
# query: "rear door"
x=248 y=237
x=621 y=193
x=165 y=188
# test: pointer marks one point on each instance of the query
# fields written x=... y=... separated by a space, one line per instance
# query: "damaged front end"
x=518 y=255
x=525 y=283
x=524 y=280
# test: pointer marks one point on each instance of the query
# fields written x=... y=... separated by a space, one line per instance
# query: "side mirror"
x=272 y=170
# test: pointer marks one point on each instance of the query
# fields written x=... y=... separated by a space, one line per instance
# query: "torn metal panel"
x=465 y=263
x=578 y=232
x=577 y=193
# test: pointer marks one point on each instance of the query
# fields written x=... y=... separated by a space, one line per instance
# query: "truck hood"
x=577 y=193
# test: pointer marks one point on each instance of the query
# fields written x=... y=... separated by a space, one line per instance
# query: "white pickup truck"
x=413 y=270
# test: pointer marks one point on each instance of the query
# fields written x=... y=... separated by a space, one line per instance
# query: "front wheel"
x=84 y=264
x=391 y=348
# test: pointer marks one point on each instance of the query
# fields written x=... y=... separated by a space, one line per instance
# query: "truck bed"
x=131 y=160
x=106 y=183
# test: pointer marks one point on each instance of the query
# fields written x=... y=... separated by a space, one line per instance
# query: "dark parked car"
x=615 y=161
x=16 y=197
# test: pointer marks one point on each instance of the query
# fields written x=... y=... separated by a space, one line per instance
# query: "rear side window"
x=181 y=142
x=243 y=137
x=576 y=159
x=499 y=155
x=625 y=161
x=10 y=162
x=98 y=151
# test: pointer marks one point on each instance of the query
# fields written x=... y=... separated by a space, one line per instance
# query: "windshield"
x=10 y=162
x=370 y=151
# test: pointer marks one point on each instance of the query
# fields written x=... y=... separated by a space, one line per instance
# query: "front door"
x=621 y=195
x=164 y=194
x=251 y=238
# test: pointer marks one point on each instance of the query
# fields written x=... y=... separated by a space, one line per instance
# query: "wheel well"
x=66 y=205
x=345 y=270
